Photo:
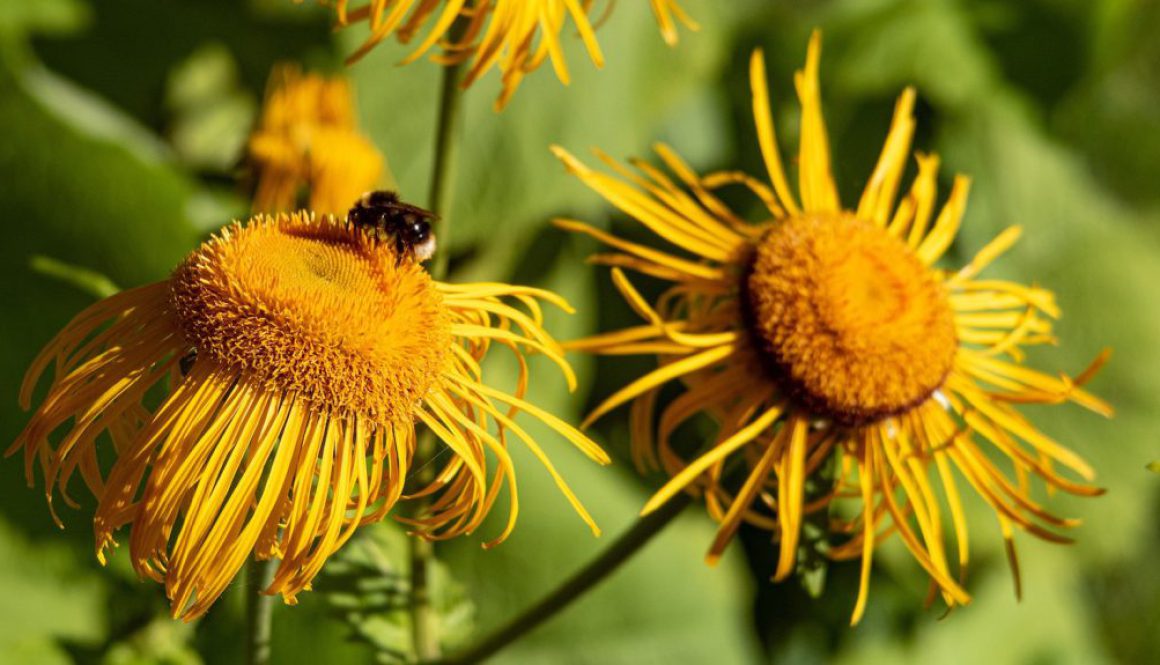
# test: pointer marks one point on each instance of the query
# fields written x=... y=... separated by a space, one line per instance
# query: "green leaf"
x=64 y=600
x=212 y=113
x=48 y=16
x=1110 y=114
x=162 y=642
x=85 y=195
x=89 y=281
x=133 y=46
x=82 y=199
x=880 y=49
x=367 y=585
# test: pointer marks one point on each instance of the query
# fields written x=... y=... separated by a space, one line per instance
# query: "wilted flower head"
x=296 y=355
x=307 y=150
x=515 y=36
x=827 y=330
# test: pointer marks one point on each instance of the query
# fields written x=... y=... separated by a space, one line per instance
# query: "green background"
x=120 y=128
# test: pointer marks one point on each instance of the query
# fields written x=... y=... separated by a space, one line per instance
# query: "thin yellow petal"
x=766 y=135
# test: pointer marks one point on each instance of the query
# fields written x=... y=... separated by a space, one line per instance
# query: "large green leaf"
x=76 y=190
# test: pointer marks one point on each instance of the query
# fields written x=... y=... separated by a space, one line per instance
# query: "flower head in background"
x=514 y=36
x=296 y=356
x=307 y=150
x=826 y=330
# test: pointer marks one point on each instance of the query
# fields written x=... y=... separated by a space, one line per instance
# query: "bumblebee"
x=391 y=220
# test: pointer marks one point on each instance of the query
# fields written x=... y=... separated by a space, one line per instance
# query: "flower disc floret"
x=319 y=310
x=851 y=321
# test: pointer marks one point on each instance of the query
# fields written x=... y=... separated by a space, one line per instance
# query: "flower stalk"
x=609 y=561
x=424 y=622
x=443 y=169
x=259 y=610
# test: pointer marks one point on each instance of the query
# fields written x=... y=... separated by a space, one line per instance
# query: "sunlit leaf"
x=59 y=600
x=89 y=281
x=367 y=585
x=212 y=113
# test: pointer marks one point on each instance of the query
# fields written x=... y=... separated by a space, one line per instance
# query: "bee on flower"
x=263 y=400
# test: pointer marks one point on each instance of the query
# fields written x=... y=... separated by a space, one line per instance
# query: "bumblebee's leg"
x=400 y=248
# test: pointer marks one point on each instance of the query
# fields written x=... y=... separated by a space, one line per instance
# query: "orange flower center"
x=852 y=322
x=316 y=309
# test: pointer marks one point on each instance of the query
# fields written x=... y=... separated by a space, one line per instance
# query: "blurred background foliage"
x=121 y=124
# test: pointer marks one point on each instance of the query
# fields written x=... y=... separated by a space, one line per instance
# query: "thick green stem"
x=424 y=622
x=443 y=169
x=627 y=545
x=259 y=610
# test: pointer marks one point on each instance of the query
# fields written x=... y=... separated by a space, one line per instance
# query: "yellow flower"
x=296 y=356
x=825 y=330
x=308 y=140
x=515 y=36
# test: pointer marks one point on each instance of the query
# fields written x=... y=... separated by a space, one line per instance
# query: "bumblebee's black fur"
x=408 y=226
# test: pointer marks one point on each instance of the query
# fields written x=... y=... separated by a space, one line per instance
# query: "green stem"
x=583 y=581
x=443 y=170
x=259 y=610
x=424 y=622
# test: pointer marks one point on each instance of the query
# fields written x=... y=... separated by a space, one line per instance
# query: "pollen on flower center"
x=319 y=310
x=852 y=322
